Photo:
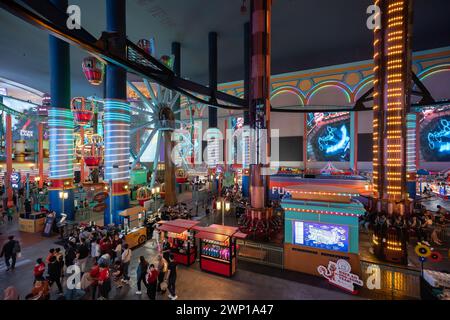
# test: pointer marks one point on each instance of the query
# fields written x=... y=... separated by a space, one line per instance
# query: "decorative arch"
x=289 y=89
x=433 y=70
x=361 y=85
x=330 y=83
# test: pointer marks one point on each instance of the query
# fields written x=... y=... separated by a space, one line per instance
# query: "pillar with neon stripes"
x=392 y=84
x=61 y=126
x=117 y=157
x=116 y=120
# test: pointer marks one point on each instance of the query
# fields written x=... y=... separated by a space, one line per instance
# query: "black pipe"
x=247 y=71
x=176 y=51
x=213 y=78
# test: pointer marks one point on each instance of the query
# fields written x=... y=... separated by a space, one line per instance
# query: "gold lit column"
x=392 y=82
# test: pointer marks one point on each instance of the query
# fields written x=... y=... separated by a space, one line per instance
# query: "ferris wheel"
x=155 y=113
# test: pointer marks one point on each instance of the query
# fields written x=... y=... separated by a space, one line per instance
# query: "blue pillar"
x=117 y=119
x=60 y=125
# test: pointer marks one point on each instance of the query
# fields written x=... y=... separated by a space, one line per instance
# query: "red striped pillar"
x=260 y=90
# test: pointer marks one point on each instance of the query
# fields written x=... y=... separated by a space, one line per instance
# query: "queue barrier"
x=261 y=253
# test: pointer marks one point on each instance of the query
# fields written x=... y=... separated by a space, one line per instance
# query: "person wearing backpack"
x=9 y=251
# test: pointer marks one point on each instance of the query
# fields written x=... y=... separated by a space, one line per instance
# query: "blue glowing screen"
x=328 y=137
x=321 y=235
x=435 y=138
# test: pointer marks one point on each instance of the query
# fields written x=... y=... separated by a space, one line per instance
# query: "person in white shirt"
x=95 y=249
x=126 y=258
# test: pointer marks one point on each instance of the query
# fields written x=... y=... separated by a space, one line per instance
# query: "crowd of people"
x=102 y=260
x=421 y=224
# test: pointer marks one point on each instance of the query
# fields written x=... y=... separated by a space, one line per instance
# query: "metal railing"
x=261 y=253
x=395 y=282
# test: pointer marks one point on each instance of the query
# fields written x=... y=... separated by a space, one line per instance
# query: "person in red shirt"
x=104 y=281
x=39 y=270
x=94 y=273
x=51 y=253
x=152 y=281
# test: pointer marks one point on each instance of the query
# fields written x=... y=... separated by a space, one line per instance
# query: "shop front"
x=217 y=247
x=180 y=235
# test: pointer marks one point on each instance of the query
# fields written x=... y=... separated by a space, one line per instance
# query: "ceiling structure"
x=305 y=35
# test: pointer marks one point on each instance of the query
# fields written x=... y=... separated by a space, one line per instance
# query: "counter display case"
x=218 y=249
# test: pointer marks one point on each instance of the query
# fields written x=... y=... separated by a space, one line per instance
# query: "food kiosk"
x=218 y=248
x=134 y=230
x=33 y=223
x=180 y=236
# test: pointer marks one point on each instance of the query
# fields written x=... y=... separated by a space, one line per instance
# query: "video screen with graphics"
x=321 y=235
x=328 y=136
x=435 y=134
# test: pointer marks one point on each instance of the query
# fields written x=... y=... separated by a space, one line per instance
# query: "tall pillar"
x=392 y=85
x=214 y=150
x=8 y=156
x=61 y=126
x=245 y=138
x=176 y=52
x=41 y=154
x=212 y=112
x=354 y=141
x=116 y=118
x=260 y=97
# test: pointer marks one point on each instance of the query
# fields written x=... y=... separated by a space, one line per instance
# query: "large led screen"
x=321 y=235
x=328 y=136
x=435 y=134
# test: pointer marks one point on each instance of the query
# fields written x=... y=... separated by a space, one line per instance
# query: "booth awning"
x=132 y=211
x=211 y=236
x=173 y=229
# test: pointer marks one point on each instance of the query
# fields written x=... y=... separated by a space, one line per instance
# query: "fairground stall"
x=321 y=226
x=134 y=229
x=218 y=248
x=180 y=235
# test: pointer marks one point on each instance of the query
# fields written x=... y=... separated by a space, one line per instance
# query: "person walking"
x=126 y=258
x=141 y=272
x=104 y=281
x=9 y=251
x=54 y=274
x=39 y=270
x=162 y=270
x=171 y=278
x=82 y=255
x=152 y=280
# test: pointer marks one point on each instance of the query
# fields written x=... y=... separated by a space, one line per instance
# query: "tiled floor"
x=250 y=282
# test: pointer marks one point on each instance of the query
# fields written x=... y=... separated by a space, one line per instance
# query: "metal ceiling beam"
x=45 y=16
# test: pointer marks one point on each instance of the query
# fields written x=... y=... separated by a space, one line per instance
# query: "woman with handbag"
x=162 y=270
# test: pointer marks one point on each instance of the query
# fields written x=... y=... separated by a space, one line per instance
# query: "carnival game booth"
x=180 y=235
x=218 y=248
x=134 y=230
x=321 y=227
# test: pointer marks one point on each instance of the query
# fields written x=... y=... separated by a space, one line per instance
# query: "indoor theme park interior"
x=255 y=150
